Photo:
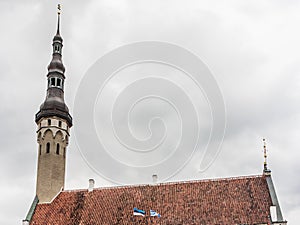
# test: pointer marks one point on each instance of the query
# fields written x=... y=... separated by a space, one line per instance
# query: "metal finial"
x=58 y=17
x=265 y=155
x=58 y=8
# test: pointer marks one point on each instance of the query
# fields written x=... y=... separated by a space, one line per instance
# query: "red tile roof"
x=243 y=200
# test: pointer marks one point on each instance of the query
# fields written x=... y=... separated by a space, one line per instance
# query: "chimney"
x=91 y=185
x=154 y=178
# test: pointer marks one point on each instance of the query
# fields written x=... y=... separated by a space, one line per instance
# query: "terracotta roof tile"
x=244 y=200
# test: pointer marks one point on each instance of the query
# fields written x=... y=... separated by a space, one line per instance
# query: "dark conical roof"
x=54 y=105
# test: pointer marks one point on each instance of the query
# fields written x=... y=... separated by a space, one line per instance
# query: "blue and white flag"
x=138 y=212
x=153 y=213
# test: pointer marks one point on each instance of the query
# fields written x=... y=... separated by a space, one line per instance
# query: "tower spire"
x=54 y=104
x=54 y=122
x=58 y=18
x=266 y=171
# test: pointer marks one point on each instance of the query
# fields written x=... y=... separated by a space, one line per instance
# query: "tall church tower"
x=54 y=123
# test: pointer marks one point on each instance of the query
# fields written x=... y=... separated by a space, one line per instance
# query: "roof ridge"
x=168 y=183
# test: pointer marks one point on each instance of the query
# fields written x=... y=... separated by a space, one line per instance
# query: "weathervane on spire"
x=266 y=170
x=58 y=9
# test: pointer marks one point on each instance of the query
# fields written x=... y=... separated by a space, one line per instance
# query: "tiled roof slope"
x=243 y=200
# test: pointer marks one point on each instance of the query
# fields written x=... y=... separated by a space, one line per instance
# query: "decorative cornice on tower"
x=54 y=104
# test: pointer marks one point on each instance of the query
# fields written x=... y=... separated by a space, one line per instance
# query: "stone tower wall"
x=52 y=138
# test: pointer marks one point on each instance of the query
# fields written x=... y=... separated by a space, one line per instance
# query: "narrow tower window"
x=49 y=122
x=40 y=150
x=52 y=81
x=59 y=123
x=64 y=153
x=39 y=136
x=48 y=148
x=57 y=149
x=57 y=48
x=58 y=82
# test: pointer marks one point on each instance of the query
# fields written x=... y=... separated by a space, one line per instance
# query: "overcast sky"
x=252 y=48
